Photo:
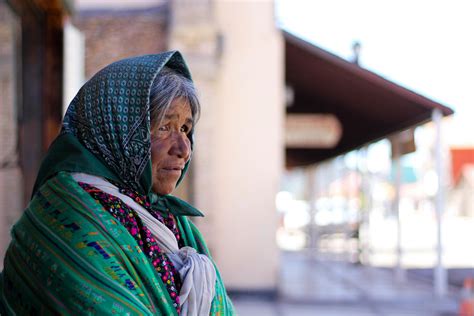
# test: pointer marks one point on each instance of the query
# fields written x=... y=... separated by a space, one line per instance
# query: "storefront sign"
x=312 y=131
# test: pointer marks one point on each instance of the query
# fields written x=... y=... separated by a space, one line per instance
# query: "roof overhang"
x=368 y=106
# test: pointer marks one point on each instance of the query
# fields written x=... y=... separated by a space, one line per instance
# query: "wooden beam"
x=52 y=77
x=30 y=121
x=41 y=81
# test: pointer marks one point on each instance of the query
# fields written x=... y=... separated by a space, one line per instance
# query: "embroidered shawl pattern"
x=70 y=256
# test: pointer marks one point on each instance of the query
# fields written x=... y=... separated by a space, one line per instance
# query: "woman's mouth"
x=172 y=170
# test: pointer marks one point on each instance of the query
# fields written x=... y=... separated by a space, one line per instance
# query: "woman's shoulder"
x=66 y=184
x=60 y=180
x=63 y=194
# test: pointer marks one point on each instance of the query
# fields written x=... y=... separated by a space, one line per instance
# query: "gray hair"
x=167 y=86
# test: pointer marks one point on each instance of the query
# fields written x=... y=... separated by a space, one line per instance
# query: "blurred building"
x=269 y=99
x=461 y=200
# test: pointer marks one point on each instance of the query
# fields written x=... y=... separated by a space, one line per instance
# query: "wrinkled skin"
x=170 y=146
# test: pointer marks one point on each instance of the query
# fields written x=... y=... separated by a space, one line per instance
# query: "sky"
x=425 y=46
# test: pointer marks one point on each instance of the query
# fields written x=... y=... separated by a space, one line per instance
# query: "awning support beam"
x=396 y=155
x=440 y=277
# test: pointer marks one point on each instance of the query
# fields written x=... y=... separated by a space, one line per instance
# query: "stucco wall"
x=235 y=53
x=249 y=143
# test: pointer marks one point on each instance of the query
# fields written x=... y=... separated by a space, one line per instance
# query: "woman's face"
x=170 y=146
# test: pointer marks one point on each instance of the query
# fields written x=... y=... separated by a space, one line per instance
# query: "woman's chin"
x=163 y=189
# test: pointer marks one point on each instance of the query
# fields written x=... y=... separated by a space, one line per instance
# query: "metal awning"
x=368 y=106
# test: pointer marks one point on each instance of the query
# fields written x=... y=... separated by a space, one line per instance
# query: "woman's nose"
x=181 y=146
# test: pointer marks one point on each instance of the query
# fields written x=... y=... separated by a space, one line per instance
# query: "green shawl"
x=68 y=254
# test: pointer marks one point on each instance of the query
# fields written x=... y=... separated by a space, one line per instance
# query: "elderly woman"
x=101 y=234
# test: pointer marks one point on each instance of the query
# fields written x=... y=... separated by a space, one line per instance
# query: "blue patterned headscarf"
x=106 y=129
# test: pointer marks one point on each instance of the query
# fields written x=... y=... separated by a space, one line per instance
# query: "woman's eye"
x=185 y=129
x=163 y=128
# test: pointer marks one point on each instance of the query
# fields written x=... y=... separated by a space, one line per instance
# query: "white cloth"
x=197 y=271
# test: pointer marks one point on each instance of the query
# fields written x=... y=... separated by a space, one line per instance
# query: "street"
x=335 y=288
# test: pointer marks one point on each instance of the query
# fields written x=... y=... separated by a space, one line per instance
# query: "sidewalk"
x=333 y=288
